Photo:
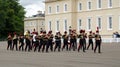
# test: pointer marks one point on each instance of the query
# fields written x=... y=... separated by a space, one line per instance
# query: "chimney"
x=39 y=12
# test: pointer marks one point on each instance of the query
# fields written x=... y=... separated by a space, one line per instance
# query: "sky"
x=32 y=6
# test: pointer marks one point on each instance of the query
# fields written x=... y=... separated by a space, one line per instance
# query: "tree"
x=11 y=17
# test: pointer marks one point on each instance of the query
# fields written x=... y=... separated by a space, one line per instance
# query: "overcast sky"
x=32 y=6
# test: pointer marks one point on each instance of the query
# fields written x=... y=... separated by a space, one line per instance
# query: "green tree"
x=11 y=17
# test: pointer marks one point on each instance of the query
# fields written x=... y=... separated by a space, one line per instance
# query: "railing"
x=110 y=40
x=107 y=40
x=104 y=40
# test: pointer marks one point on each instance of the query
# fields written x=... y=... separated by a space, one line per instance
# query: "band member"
x=15 y=41
x=9 y=41
x=45 y=42
x=84 y=38
x=50 y=40
x=75 y=38
x=90 y=40
x=72 y=45
x=98 y=41
x=65 y=41
x=36 y=42
x=57 y=41
x=41 y=41
x=28 y=42
x=21 y=41
x=81 y=41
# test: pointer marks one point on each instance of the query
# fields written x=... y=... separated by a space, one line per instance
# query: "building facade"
x=36 y=22
x=61 y=15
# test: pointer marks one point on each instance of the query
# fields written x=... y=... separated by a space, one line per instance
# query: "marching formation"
x=45 y=42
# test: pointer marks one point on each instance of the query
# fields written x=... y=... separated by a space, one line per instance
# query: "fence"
x=106 y=40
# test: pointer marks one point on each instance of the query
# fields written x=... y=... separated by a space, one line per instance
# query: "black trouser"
x=9 y=44
x=75 y=42
x=90 y=43
x=27 y=46
x=97 y=45
x=36 y=44
x=50 y=45
x=81 y=45
x=21 y=46
x=72 y=45
x=57 y=45
x=45 y=43
x=40 y=45
x=65 y=45
x=15 y=44
x=84 y=42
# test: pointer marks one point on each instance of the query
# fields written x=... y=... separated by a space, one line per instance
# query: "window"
x=57 y=8
x=99 y=3
x=109 y=3
x=50 y=25
x=26 y=23
x=99 y=21
x=57 y=26
x=80 y=6
x=110 y=23
x=89 y=24
x=49 y=9
x=89 y=5
x=42 y=23
x=119 y=22
x=65 y=25
x=65 y=7
x=79 y=24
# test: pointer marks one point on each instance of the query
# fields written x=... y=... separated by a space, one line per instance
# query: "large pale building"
x=36 y=22
x=61 y=15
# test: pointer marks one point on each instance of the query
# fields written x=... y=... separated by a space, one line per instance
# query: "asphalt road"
x=110 y=57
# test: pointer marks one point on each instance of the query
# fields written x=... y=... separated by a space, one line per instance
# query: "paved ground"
x=110 y=57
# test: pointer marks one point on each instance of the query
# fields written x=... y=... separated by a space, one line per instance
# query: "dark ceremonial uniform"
x=65 y=41
x=28 y=43
x=21 y=40
x=81 y=41
x=36 y=43
x=57 y=42
x=90 y=41
x=41 y=42
x=9 y=41
x=75 y=40
x=45 y=43
x=98 y=43
x=72 y=45
x=15 y=42
x=84 y=38
x=50 y=41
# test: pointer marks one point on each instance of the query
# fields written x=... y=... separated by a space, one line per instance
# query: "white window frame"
x=108 y=27
x=49 y=25
x=57 y=8
x=89 y=6
x=99 y=5
x=65 y=7
x=49 y=9
x=119 y=22
x=65 y=25
x=79 y=24
x=88 y=23
x=26 y=23
x=79 y=6
x=110 y=4
x=57 y=25
x=97 y=22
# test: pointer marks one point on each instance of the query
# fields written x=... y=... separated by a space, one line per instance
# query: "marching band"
x=48 y=41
